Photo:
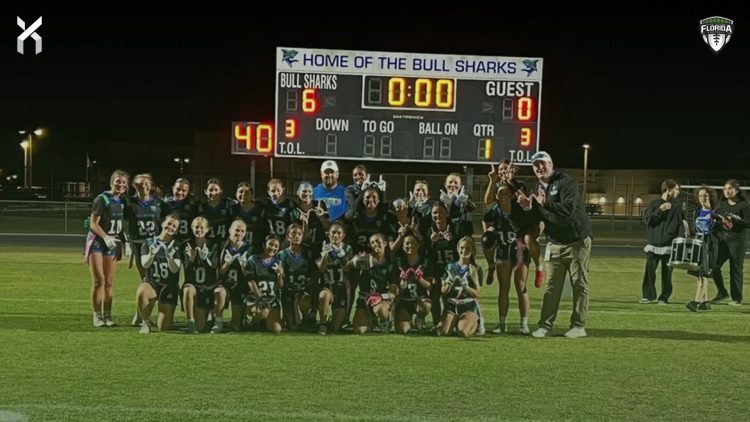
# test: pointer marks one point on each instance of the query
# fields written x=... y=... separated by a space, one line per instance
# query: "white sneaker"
x=145 y=328
x=524 y=330
x=136 y=319
x=540 y=332
x=734 y=303
x=109 y=323
x=576 y=332
x=98 y=321
x=191 y=329
x=419 y=322
x=499 y=330
x=480 y=328
x=218 y=327
x=644 y=300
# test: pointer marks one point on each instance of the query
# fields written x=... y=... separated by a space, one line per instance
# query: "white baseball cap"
x=329 y=165
x=541 y=156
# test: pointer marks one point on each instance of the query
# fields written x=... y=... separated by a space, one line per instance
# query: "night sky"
x=639 y=85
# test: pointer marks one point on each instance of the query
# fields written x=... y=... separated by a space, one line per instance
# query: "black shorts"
x=204 y=298
x=287 y=297
x=166 y=294
x=410 y=305
x=340 y=295
x=509 y=253
x=460 y=309
x=237 y=294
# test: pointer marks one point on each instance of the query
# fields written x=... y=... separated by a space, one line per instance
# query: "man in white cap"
x=567 y=226
x=330 y=192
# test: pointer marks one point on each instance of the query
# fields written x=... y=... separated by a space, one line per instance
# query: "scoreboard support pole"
x=252 y=174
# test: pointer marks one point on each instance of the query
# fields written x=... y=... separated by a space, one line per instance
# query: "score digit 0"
x=262 y=136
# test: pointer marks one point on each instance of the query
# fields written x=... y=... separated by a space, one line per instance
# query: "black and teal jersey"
x=413 y=290
x=505 y=230
x=442 y=251
x=315 y=228
x=110 y=211
x=235 y=274
x=262 y=273
x=186 y=210
x=203 y=270
x=361 y=227
x=460 y=217
x=257 y=226
x=422 y=215
x=219 y=218
x=335 y=268
x=279 y=216
x=300 y=271
x=159 y=271
x=144 y=218
x=377 y=278
x=456 y=274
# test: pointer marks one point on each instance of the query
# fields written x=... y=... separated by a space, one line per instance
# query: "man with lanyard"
x=330 y=192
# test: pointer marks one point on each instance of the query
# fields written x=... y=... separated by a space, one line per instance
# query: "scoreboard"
x=406 y=107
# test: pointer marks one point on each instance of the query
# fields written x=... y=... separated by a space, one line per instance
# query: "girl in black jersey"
x=334 y=266
x=101 y=249
x=441 y=250
x=161 y=260
x=144 y=215
x=300 y=280
x=407 y=225
x=460 y=287
x=200 y=258
x=265 y=276
x=252 y=213
x=312 y=216
x=278 y=210
x=370 y=218
x=232 y=278
x=217 y=210
x=376 y=278
x=415 y=282
x=459 y=206
x=420 y=208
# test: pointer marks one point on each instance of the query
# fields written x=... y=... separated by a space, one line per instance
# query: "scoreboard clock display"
x=406 y=107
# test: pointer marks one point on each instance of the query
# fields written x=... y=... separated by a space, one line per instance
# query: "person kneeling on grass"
x=266 y=278
x=201 y=256
x=461 y=291
x=160 y=259
x=376 y=277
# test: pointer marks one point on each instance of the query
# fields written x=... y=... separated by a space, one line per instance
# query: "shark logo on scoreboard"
x=531 y=66
x=716 y=32
x=289 y=56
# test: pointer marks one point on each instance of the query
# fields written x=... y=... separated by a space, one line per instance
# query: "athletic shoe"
x=663 y=302
x=540 y=332
x=576 y=332
x=145 y=328
x=704 y=306
x=499 y=330
x=191 y=329
x=735 y=303
x=719 y=297
x=98 y=321
x=693 y=306
x=218 y=327
x=480 y=328
x=539 y=279
x=322 y=329
x=109 y=323
x=524 y=330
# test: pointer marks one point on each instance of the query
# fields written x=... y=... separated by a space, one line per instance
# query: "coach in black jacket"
x=567 y=226
x=663 y=219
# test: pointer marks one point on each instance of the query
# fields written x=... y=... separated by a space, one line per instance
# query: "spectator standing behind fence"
x=663 y=219
x=733 y=214
x=558 y=204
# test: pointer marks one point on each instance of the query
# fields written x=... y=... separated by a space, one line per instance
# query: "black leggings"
x=734 y=251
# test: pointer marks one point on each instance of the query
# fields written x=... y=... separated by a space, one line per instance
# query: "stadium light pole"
x=586 y=148
x=25 y=146
x=182 y=161
x=38 y=132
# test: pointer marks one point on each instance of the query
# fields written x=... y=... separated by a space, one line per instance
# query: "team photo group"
x=336 y=258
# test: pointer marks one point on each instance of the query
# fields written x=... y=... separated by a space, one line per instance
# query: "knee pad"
x=489 y=239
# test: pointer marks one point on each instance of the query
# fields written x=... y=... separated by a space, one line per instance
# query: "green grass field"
x=641 y=362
